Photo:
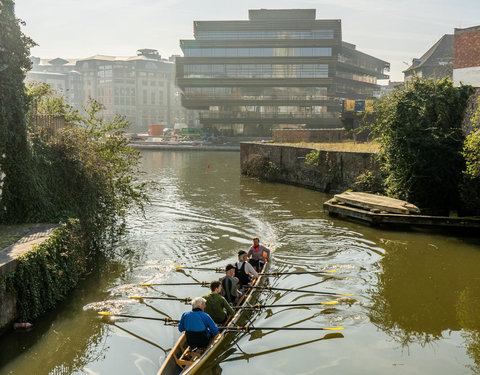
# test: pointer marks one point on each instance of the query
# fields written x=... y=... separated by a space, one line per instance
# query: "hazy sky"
x=392 y=30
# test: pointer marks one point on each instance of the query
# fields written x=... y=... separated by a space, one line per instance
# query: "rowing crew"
x=200 y=324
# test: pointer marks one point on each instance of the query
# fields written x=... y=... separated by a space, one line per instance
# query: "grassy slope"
x=340 y=146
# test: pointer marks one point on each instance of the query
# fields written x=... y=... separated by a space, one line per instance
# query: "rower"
x=230 y=285
x=258 y=254
x=217 y=306
x=243 y=269
x=199 y=328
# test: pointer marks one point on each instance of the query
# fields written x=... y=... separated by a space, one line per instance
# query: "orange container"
x=155 y=129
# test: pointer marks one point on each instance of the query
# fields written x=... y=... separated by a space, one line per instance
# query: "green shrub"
x=44 y=275
x=419 y=127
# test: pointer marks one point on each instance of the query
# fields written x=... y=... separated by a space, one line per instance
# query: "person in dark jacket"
x=197 y=325
x=243 y=269
x=231 y=285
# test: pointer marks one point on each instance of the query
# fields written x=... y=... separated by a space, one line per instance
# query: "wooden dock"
x=377 y=210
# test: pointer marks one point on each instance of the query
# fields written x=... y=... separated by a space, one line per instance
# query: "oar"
x=202 y=283
x=298 y=290
x=166 y=320
x=217 y=269
x=274 y=274
x=252 y=328
x=259 y=306
x=185 y=300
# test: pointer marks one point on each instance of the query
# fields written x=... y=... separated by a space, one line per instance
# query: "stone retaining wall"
x=8 y=263
x=336 y=170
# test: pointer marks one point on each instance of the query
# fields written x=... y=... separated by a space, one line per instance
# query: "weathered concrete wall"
x=336 y=170
x=308 y=135
x=8 y=263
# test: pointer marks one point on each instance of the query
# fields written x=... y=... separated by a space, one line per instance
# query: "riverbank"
x=324 y=170
x=22 y=240
x=40 y=269
x=159 y=146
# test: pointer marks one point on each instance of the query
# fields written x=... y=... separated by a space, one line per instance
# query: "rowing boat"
x=182 y=360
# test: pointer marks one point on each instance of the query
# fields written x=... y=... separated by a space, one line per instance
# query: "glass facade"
x=357 y=77
x=256 y=71
x=258 y=93
x=266 y=34
x=257 y=52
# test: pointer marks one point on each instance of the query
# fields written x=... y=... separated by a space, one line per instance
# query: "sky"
x=393 y=30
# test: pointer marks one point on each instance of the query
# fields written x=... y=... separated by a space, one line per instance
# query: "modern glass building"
x=281 y=68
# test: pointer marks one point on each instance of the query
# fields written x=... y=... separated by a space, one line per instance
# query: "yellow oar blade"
x=340 y=294
x=331 y=271
x=135 y=297
x=145 y=284
x=334 y=328
x=329 y=303
x=104 y=313
x=177 y=266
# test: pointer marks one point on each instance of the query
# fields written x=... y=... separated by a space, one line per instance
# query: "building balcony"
x=209 y=118
x=204 y=102
x=253 y=82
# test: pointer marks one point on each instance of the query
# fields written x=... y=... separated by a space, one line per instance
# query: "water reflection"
x=427 y=290
x=51 y=346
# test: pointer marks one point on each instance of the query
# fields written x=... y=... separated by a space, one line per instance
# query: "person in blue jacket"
x=197 y=325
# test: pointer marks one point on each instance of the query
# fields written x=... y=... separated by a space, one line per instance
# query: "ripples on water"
x=205 y=223
x=202 y=216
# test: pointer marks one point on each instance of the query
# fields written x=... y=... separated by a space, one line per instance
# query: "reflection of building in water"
x=281 y=67
x=141 y=87
x=425 y=290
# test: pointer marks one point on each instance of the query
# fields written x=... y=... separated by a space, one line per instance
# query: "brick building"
x=466 y=65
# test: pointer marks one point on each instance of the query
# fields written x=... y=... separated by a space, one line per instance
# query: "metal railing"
x=46 y=125
x=259 y=115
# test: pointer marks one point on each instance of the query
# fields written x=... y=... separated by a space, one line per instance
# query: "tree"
x=419 y=127
x=15 y=156
x=470 y=188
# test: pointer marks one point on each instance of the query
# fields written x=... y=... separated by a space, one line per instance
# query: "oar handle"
x=247 y=328
x=298 y=290
x=297 y=273
x=185 y=300
x=217 y=269
x=166 y=320
x=259 y=306
x=201 y=283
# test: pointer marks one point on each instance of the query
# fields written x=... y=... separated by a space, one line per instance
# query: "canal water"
x=415 y=309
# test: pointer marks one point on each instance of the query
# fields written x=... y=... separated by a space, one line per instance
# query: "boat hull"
x=173 y=364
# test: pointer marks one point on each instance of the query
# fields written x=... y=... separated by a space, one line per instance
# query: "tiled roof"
x=444 y=46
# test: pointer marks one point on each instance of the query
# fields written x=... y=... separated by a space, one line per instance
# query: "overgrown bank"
x=425 y=157
x=83 y=176
x=46 y=274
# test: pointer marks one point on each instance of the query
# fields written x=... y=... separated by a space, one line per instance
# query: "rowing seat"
x=189 y=356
